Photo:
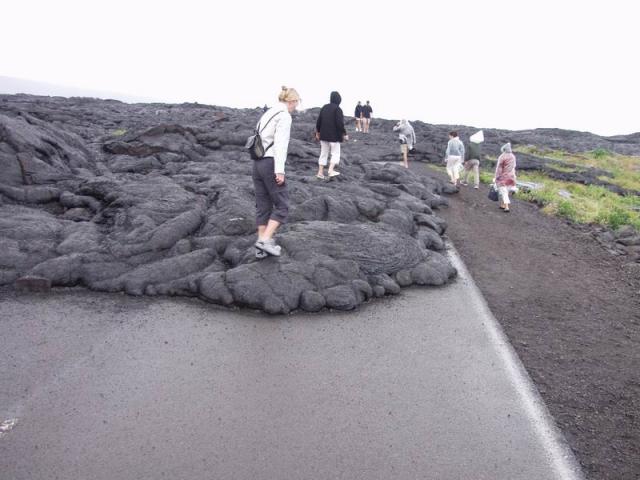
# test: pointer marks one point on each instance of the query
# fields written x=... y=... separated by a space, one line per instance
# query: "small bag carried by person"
x=493 y=192
x=254 y=142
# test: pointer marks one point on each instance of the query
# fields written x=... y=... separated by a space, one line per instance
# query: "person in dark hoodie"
x=358 y=115
x=366 y=117
x=331 y=132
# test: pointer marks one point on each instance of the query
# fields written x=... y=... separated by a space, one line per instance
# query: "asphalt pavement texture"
x=420 y=385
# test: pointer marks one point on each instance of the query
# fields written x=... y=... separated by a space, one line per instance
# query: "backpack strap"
x=260 y=130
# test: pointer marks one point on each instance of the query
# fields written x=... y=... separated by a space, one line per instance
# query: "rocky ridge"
x=154 y=199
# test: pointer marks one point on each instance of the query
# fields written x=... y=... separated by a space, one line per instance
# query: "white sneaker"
x=269 y=246
x=334 y=174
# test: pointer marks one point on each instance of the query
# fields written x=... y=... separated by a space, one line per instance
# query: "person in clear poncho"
x=407 y=137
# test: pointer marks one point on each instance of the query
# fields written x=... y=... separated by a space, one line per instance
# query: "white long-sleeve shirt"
x=277 y=131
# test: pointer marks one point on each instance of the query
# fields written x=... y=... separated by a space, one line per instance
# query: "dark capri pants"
x=272 y=200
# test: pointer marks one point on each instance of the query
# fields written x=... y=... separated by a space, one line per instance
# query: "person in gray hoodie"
x=407 y=137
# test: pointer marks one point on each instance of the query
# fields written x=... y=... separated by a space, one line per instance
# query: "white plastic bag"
x=477 y=137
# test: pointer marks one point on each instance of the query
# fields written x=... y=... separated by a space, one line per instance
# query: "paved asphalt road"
x=419 y=386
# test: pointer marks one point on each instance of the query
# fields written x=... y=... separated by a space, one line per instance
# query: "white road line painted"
x=561 y=457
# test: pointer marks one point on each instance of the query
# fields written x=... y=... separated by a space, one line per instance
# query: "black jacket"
x=473 y=150
x=330 y=123
x=358 y=111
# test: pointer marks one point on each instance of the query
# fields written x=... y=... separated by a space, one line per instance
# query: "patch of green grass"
x=600 y=153
x=119 y=132
x=540 y=151
x=567 y=209
x=625 y=170
x=588 y=203
x=486 y=176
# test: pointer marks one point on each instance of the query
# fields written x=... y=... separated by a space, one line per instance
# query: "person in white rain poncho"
x=407 y=136
x=453 y=157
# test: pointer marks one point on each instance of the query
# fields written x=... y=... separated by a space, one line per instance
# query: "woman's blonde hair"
x=288 y=95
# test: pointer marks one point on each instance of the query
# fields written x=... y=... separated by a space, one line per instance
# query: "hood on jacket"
x=335 y=98
x=506 y=148
x=477 y=137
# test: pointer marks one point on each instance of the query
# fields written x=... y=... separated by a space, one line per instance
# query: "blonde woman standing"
x=272 y=196
x=505 y=177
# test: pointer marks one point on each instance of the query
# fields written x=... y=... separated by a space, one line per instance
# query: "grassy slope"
x=585 y=203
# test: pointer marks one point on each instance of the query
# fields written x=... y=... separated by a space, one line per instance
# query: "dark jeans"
x=272 y=200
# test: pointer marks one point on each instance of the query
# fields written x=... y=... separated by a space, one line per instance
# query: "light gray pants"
x=472 y=165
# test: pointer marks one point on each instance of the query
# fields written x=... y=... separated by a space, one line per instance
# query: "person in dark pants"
x=358 y=115
x=272 y=196
x=331 y=132
x=366 y=117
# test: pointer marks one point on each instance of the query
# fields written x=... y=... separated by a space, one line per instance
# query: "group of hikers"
x=363 y=117
x=504 y=179
x=274 y=127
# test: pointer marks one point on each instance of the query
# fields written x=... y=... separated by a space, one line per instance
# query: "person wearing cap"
x=472 y=160
x=505 y=177
x=407 y=137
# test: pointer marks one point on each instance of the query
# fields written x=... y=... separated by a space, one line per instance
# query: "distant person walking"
x=272 y=196
x=366 y=117
x=358 y=115
x=505 y=178
x=453 y=157
x=331 y=132
x=407 y=136
x=472 y=160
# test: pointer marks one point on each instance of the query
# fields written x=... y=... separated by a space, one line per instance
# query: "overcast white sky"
x=506 y=64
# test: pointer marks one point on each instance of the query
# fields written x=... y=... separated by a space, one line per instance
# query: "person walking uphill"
x=505 y=178
x=472 y=160
x=407 y=136
x=358 y=114
x=272 y=196
x=366 y=117
x=453 y=157
x=331 y=132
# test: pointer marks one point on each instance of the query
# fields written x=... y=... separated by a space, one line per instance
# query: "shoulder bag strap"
x=260 y=130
